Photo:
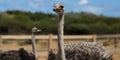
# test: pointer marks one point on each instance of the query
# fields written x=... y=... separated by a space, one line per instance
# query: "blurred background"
x=82 y=17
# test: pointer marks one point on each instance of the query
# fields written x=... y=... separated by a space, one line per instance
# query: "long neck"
x=33 y=45
x=61 y=53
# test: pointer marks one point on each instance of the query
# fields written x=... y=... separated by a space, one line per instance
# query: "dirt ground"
x=42 y=47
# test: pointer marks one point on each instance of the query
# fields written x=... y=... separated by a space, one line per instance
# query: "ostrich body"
x=59 y=9
x=84 y=51
x=20 y=54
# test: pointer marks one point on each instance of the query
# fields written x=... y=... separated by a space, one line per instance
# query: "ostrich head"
x=58 y=8
x=34 y=29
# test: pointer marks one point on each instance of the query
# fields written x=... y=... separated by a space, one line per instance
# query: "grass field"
x=42 y=46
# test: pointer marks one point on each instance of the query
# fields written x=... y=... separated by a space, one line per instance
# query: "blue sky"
x=105 y=7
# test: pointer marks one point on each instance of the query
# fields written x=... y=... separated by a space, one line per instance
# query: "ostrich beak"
x=39 y=30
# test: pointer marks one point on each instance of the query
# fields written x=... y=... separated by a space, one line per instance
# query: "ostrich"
x=34 y=30
x=77 y=51
x=59 y=8
x=21 y=54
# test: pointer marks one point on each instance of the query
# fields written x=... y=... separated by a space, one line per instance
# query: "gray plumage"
x=84 y=51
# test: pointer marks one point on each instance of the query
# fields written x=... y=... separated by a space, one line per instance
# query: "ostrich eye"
x=61 y=6
x=36 y=30
x=54 y=9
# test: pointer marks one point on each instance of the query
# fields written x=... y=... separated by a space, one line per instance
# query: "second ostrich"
x=21 y=54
